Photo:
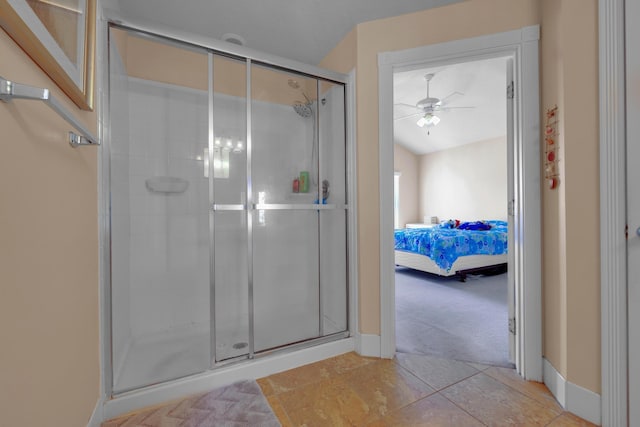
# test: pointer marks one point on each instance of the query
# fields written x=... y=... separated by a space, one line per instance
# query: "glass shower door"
x=285 y=224
x=333 y=218
x=228 y=180
x=159 y=210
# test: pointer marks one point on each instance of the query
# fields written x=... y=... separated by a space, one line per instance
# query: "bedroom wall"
x=461 y=20
x=407 y=163
x=49 y=362
x=468 y=182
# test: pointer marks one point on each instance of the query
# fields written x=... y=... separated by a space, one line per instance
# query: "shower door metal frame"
x=109 y=19
x=250 y=207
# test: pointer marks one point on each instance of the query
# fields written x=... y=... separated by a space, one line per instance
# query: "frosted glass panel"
x=332 y=143
x=285 y=278
x=231 y=289
x=229 y=128
x=333 y=270
x=229 y=181
x=284 y=137
x=159 y=217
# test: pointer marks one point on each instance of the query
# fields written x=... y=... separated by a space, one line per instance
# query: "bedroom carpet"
x=446 y=318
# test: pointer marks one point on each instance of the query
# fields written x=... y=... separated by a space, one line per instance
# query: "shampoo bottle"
x=304 y=182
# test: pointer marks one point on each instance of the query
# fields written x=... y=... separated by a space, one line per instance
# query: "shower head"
x=303 y=110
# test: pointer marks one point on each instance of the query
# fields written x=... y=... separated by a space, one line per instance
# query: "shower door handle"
x=228 y=207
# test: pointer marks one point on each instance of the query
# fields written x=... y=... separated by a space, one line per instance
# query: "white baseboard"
x=555 y=383
x=584 y=403
x=368 y=345
x=257 y=368
x=573 y=398
x=97 y=417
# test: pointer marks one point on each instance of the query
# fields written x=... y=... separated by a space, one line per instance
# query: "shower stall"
x=228 y=209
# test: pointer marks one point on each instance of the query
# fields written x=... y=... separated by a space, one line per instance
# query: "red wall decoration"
x=551 y=148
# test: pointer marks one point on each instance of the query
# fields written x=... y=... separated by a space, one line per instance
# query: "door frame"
x=613 y=252
x=522 y=45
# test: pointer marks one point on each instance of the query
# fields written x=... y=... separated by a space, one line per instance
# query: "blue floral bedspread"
x=444 y=245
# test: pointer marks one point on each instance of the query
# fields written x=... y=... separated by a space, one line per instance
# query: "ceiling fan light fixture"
x=428 y=120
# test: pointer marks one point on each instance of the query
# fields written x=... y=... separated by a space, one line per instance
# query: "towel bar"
x=11 y=90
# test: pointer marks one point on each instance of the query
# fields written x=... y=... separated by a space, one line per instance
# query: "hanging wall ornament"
x=551 y=148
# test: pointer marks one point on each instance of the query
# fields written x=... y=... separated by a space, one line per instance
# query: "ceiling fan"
x=429 y=106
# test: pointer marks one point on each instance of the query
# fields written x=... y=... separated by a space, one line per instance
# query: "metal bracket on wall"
x=11 y=90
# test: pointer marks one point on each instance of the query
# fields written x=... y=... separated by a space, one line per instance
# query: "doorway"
x=455 y=157
x=522 y=46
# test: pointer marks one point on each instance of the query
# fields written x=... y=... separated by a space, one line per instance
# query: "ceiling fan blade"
x=445 y=109
x=446 y=98
x=409 y=115
x=402 y=104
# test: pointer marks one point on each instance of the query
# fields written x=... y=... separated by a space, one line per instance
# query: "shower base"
x=177 y=353
x=162 y=357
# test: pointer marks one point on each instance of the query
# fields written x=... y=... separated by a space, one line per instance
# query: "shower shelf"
x=166 y=184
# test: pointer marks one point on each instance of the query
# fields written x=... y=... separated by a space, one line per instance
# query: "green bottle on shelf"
x=304 y=182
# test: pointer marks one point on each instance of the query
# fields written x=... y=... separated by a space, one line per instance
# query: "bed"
x=446 y=250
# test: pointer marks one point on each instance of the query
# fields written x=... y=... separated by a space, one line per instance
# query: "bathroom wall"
x=571 y=251
x=49 y=335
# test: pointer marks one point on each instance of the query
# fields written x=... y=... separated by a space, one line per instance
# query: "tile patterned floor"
x=411 y=390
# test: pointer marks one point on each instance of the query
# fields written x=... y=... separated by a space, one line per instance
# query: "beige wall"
x=462 y=20
x=167 y=63
x=468 y=182
x=570 y=214
x=405 y=162
x=49 y=369
x=343 y=57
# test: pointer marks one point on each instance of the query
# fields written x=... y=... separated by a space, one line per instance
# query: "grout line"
x=459 y=381
x=410 y=372
x=437 y=390
x=523 y=394
x=543 y=403
x=462 y=409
